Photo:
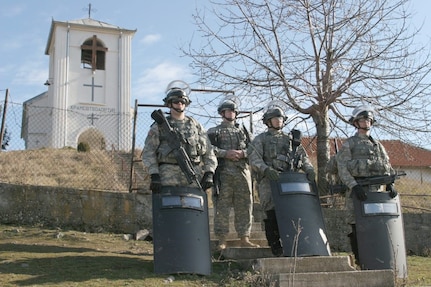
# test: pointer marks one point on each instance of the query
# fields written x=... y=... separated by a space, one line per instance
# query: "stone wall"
x=97 y=211
x=84 y=210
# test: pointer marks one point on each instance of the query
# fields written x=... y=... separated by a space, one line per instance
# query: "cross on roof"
x=94 y=48
x=89 y=10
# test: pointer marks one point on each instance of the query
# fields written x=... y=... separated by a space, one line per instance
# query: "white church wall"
x=82 y=97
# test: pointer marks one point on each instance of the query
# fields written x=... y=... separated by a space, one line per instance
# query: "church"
x=89 y=86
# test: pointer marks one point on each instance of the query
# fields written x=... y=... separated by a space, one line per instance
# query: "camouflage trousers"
x=235 y=192
x=265 y=195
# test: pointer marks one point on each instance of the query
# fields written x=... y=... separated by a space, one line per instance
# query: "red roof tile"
x=401 y=154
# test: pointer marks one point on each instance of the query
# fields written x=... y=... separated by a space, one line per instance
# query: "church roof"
x=93 y=22
x=85 y=22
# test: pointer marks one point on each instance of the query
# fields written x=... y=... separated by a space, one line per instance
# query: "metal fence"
x=100 y=165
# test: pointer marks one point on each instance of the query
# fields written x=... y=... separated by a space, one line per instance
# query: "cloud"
x=151 y=39
x=150 y=86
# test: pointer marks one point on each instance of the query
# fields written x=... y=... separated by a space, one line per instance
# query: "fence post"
x=132 y=160
x=3 y=121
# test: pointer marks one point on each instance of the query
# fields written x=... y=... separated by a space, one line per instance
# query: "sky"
x=162 y=27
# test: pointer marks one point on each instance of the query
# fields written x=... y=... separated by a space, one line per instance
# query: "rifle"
x=372 y=180
x=380 y=180
x=176 y=142
x=296 y=142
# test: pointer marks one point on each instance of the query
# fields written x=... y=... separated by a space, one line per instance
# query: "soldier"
x=362 y=156
x=232 y=178
x=266 y=154
x=177 y=152
x=157 y=156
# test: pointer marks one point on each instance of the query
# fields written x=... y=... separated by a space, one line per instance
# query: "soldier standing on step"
x=264 y=153
x=361 y=156
x=232 y=178
x=181 y=162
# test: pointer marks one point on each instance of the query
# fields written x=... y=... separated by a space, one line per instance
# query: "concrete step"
x=303 y=264
x=322 y=271
x=235 y=251
x=367 y=278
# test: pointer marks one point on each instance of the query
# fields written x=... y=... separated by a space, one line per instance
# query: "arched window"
x=93 y=54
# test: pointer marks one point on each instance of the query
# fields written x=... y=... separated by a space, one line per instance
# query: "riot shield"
x=380 y=233
x=181 y=236
x=299 y=216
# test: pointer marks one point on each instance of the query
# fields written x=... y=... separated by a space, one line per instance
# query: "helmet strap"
x=175 y=109
x=269 y=125
x=361 y=128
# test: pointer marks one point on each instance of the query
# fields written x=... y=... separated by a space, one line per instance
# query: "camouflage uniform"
x=273 y=149
x=233 y=179
x=159 y=158
x=361 y=156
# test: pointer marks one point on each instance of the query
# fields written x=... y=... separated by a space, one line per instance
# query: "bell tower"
x=89 y=88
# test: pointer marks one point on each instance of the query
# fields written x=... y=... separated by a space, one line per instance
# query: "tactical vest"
x=189 y=132
x=368 y=158
x=229 y=137
x=277 y=149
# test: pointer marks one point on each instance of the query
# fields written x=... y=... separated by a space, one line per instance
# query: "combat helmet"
x=274 y=109
x=228 y=103
x=362 y=112
x=177 y=90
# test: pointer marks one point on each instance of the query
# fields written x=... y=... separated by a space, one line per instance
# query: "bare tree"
x=322 y=58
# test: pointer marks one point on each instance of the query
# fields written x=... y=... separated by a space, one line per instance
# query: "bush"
x=83 y=147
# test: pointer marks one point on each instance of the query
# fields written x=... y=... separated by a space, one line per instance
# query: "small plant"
x=83 y=147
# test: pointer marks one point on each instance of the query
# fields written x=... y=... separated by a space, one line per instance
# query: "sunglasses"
x=179 y=101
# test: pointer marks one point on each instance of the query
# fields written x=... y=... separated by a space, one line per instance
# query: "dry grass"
x=64 y=167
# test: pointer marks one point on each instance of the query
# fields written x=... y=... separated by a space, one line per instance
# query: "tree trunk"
x=322 y=128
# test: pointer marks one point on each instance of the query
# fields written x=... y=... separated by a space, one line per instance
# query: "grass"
x=32 y=256
x=35 y=256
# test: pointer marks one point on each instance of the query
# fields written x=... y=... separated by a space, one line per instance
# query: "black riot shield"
x=181 y=235
x=299 y=216
x=380 y=233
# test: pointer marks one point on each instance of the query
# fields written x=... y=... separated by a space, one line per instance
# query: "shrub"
x=83 y=147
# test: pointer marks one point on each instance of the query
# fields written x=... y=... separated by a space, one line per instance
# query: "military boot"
x=272 y=234
x=245 y=242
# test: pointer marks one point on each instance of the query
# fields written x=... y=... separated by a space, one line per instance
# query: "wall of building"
x=96 y=211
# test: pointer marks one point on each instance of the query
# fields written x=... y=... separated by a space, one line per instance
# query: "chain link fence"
x=96 y=161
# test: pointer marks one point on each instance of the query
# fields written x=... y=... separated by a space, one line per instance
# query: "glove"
x=392 y=192
x=271 y=173
x=156 y=183
x=360 y=192
x=207 y=180
x=311 y=175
